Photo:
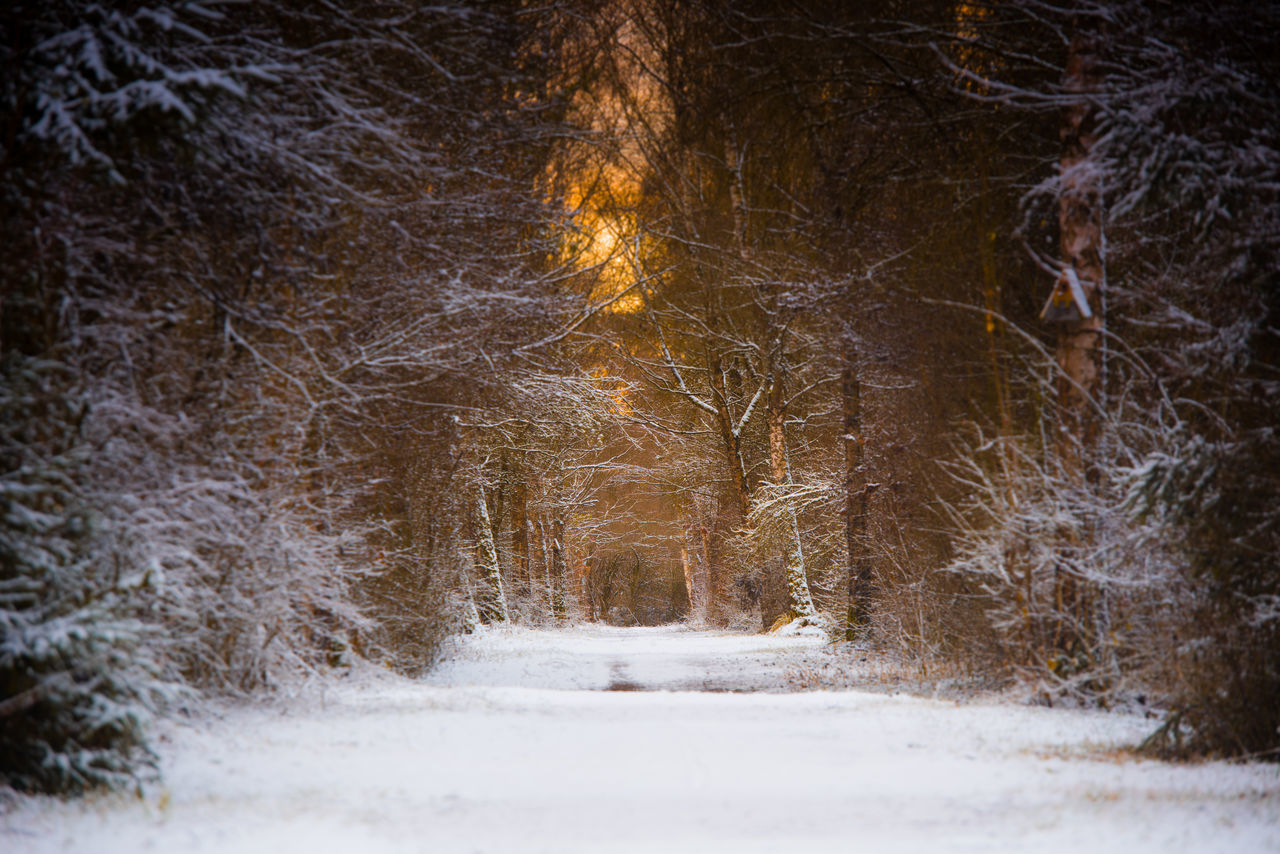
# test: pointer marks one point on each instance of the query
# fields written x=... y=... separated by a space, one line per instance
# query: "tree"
x=254 y=236
x=1158 y=148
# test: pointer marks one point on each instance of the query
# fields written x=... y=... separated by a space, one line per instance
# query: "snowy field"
x=637 y=740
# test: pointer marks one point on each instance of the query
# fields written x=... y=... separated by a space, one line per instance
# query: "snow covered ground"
x=518 y=744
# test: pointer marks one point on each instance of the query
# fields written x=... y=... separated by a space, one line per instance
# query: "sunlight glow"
x=603 y=248
x=603 y=194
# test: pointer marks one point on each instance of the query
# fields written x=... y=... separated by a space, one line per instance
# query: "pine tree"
x=78 y=683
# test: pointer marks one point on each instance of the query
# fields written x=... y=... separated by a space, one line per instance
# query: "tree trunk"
x=711 y=593
x=730 y=440
x=493 y=607
x=559 y=581
x=690 y=584
x=520 y=537
x=1080 y=336
x=726 y=519
x=860 y=570
x=531 y=562
x=776 y=420
x=1079 y=347
x=797 y=578
x=583 y=566
x=548 y=569
x=799 y=602
x=992 y=300
x=737 y=204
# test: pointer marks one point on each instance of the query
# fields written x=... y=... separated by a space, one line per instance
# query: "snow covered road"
x=519 y=744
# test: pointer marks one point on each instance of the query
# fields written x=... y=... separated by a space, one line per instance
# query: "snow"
x=516 y=744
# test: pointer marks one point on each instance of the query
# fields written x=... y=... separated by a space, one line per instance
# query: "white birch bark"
x=797 y=580
x=799 y=598
x=494 y=608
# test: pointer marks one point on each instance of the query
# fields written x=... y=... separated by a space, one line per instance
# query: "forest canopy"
x=329 y=330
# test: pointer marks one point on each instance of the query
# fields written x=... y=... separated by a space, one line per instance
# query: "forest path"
x=517 y=744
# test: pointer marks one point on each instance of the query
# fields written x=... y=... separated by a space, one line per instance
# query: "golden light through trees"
x=622 y=114
x=603 y=245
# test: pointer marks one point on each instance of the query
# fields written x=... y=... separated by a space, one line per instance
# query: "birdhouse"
x=1068 y=302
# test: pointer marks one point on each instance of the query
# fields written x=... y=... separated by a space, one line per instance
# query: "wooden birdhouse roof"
x=1067 y=302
